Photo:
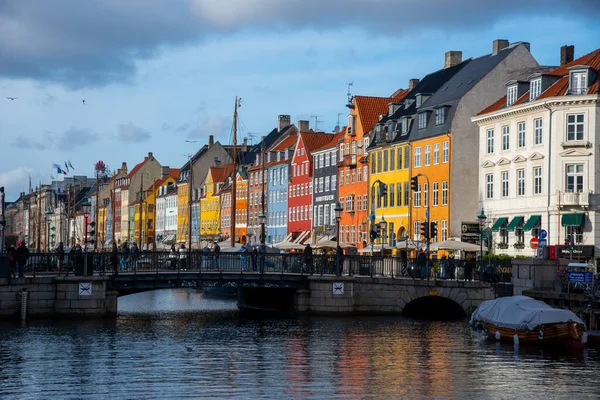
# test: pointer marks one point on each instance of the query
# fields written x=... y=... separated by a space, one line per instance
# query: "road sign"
x=85 y=289
x=533 y=243
x=542 y=242
x=338 y=287
x=542 y=234
x=582 y=277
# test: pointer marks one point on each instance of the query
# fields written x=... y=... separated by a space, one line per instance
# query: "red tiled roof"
x=136 y=168
x=334 y=141
x=560 y=87
x=369 y=109
x=314 y=140
x=399 y=95
x=220 y=174
x=591 y=59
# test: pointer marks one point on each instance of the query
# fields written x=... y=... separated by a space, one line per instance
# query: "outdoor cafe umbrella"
x=406 y=244
x=454 y=245
x=289 y=246
x=330 y=244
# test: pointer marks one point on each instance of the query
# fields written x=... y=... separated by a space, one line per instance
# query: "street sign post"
x=542 y=243
x=542 y=234
x=533 y=243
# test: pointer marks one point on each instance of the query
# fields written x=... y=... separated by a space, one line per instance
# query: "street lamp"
x=48 y=213
x=338 y=215
x=481 y=217
x=86 y=206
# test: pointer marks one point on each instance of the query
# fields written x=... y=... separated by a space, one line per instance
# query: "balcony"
x=577 y=199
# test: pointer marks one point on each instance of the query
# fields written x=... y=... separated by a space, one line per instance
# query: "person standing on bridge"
x=115 y=258
x=308 y=258
x=60 y=255
x=217 y=254
x=183 y=256
x=254 y=257
x=22 y=256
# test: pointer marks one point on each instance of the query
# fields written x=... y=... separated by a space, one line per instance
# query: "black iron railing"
x=105 y=263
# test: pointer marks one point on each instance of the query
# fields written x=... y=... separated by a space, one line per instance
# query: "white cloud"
x=16 y=180
x=129 y=133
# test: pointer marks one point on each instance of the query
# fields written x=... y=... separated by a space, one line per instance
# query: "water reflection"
x=178 y=344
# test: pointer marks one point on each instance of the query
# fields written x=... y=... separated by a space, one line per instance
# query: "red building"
x=301 y=186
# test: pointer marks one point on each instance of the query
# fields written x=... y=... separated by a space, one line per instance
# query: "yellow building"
x=182 y=211
x=210 y=203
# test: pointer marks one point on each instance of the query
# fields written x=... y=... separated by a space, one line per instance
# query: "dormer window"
x=511 y=95
x=422 y=120
x=419 y=99
x=440 y=115
x=535 y=88
x=578 y=81
x=404 y=125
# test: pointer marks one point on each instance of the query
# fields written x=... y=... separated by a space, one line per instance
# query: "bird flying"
x=11 y=98
x=83 y=100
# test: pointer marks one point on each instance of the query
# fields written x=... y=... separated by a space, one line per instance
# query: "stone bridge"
x=294 y=293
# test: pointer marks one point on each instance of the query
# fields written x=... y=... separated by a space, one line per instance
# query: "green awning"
x=498 y=224
x=531 y=222
x=577 y=219
x=514 y=223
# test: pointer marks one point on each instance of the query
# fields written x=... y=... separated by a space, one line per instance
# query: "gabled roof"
x=137 y=168
x=286 y=143
x=220 y=174
x=561 y=86
x=370 y=108
x=314 y=140
x=173 y=173
x=334 y=140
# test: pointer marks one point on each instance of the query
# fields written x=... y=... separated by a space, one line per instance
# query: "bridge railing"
x=362 y=265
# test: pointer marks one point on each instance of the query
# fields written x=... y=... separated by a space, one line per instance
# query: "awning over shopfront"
x=531 y=222
x=498 y=224
x=576 y=219
x=514 y=223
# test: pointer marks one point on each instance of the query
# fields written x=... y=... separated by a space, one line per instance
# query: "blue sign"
x=427 y=214
x=542 y=234
x=542 y=243
x=581 y=277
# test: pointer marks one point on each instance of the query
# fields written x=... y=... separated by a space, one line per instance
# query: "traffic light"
x=433 y=230
x=425 y=230
x=374 y=233
x=382 y=190
x=414 y=183
x=92 y=232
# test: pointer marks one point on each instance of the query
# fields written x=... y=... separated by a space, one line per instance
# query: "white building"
x=166 y=214
x=538 y=159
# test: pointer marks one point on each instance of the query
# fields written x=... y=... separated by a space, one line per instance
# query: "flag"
x=70 y=165
x=66 y=166
x=59 y=170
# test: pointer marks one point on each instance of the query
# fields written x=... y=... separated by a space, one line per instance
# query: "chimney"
x=498 y=45
x=123 y=167
x=452 y=58
x=165 y=172
x=150 y=155
x=567 y=54
x=211 y=141
x=412 y=83
x=245 y=144
x=303 y=125
x=283 y=121
x=217 y=162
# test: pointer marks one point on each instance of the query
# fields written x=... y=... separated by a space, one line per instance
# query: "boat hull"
x=567 y=335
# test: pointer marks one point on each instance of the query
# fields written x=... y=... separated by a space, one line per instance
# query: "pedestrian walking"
x=12 y=260
x=254 y=257
x=422 y=263
x=114 y=256
x=217 y=255
x=308 y=258
x=60 y=254
x=22 y=256
x=244 y=258
x=183 y=256
x=124 y=256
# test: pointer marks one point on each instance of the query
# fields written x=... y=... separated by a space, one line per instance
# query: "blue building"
x=278 y=171
x=195 y=223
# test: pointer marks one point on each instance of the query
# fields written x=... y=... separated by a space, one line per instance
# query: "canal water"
x=179 y=344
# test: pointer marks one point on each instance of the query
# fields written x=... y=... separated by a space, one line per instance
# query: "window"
x=422 y=120
x=505 y=138
x=575 y=234
x=490 y=141
x=365 y=202
x=504 y=177
x=404 y=125
x=341 y=151
x=511 y=95
x=360 y=146
x=520 y=182
x=417 y=230
x=445 y=193
x=350 y=203
x=417 y=197
x=373 y=164
x=434 y=198
x=406 y=194
x=347 y=176
x=427 y=155
x=327 y=158
x=574 y=180
x=489 y=186
x=399 y=163
x=365 y=173
x=537 y=180
x=332 y=207
x=425 y=195
x=521 y=134
x=398 y=194
x=445 y=152
x=366 y=143
x=326 y=184
x=333 y=181
x=417 y=161
x=535 y=88
x=379 y=161
x=391 y=189
x=392 y=159
x=444 y=230
x=538 y=134
x=578 y=82
x=440 y=115
x=333 y=158
x=436 y=154
x=575 y=126
x=385 y=160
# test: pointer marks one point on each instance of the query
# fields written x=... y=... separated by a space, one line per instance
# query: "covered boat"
x=526 y=320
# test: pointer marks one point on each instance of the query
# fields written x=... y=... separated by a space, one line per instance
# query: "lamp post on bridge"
x=338 y=215
x=481 y=217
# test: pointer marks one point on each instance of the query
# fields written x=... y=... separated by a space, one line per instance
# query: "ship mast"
x=234 y=175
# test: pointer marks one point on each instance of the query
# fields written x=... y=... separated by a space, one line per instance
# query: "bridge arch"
x=434 y=308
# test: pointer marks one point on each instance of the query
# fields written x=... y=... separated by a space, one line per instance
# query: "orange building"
x=353 y=180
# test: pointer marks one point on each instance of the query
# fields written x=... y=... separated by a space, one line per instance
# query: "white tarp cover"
x=521 y=313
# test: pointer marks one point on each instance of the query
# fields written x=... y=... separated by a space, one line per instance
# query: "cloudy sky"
x=155 y=73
